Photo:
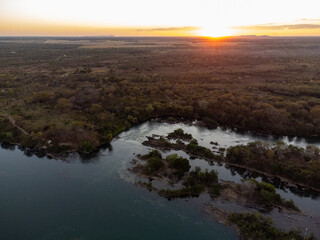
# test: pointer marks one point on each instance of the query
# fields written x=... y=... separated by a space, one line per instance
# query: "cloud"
x=310 y=20
x=169 y=29
x=279 y=27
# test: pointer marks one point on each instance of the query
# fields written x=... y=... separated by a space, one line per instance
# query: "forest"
x=299 y=165
x=72 y=94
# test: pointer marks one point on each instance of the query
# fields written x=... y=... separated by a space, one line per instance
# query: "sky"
x=214 y=18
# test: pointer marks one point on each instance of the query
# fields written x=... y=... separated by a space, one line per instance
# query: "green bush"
x=107 y=138
x=206 y=179
x=178 y=163
x=153 y=153
x=268 y=195
x=194 y=149
x=179 y=134
x=6 y=137
x=153 y=164
x=267 y=187
x=238 y=154
x=88 y=147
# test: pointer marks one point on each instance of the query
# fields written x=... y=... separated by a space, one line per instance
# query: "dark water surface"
x=95 y=198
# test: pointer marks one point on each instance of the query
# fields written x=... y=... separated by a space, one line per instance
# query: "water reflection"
x=297 y=190
x=224 y=137
x=8 y=146
x=68 y=157
x=67 y=183
x=30 y=152
x=95 y=156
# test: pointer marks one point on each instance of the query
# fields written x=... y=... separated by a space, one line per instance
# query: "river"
x=95 y=198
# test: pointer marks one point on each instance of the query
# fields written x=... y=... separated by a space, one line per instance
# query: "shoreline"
x=288 y=182
x=152 y=142
x=63 y=156
x=234 y=198
x=57 y=157
x=163 y=119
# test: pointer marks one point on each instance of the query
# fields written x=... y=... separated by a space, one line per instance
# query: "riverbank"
x=163 y=143
x=129 y=143
x=254 y=225
x=61 y=150
x=164 y=176
x=91 y=199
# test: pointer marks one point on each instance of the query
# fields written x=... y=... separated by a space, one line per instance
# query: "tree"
x=62 y=104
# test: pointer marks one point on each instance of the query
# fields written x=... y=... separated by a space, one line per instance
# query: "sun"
x=215 y=31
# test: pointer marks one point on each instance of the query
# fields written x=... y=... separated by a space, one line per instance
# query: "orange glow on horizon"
x=212 y=18
x=15 y=28
x=19 y=28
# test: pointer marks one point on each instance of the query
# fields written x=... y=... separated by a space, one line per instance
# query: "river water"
x=95 y=198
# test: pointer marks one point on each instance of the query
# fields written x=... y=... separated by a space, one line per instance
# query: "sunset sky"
x=159 y=18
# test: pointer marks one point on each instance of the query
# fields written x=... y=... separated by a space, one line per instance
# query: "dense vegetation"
x=179 y=134
x=206 y=179
x=195 y=183
x=180 y=164
x=299 y=165
x=268 y=197
x=67 y=96
x=296 y=164
x=194 y=149
x=154 y=162
x=256 y=227
x=176 y=168
x=173 y=165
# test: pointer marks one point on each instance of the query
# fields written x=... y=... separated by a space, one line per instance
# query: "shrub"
x=153 y=164
x=205 y=179
x=88 y=147
x=178 y=162
x=200 y=151
x=6 y=136
x=238 y=154
x=153 y=153
x=179 y=134
x=107 y=138
x=268 y=195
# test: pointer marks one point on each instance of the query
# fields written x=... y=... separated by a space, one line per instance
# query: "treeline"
x=299 y=165
x=263 y=114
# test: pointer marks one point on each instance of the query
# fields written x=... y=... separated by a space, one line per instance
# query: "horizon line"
x=148 y=36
